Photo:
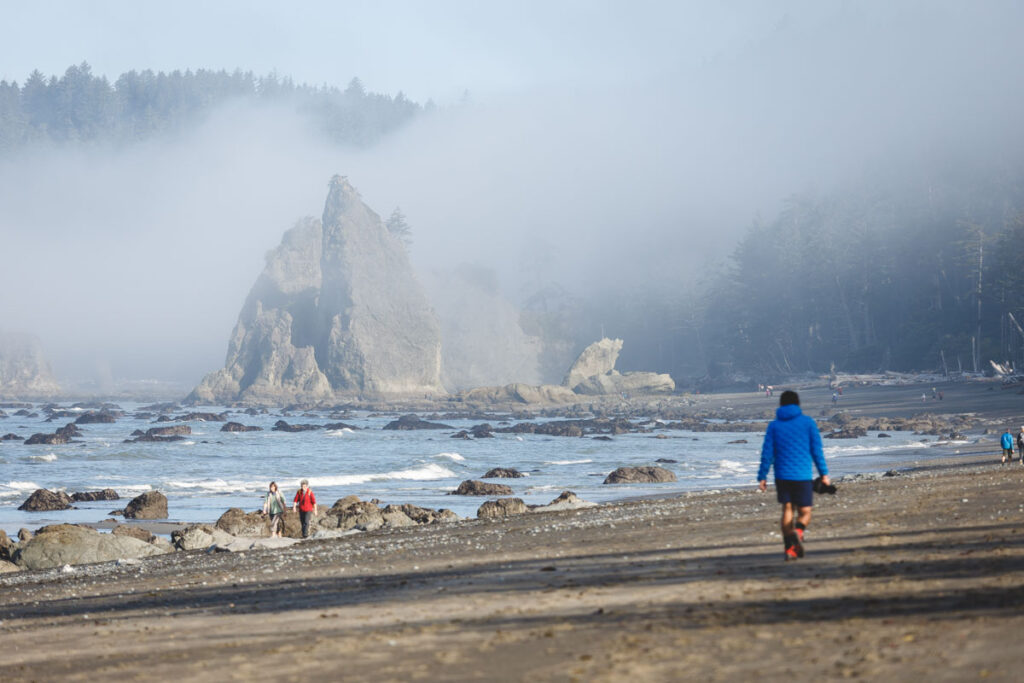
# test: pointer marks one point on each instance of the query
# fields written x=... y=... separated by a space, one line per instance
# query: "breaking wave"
x=451 y=456
x=49 y=457
x=567 y=462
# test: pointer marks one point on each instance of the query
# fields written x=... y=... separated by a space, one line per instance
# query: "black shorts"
x=799 y=493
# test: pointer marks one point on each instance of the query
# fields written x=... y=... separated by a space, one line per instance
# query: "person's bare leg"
x=804 y=515
x=787 y=520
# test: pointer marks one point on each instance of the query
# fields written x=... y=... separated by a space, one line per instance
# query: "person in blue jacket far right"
x=791 y=444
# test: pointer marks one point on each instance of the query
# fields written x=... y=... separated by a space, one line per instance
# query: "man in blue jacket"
x=791 y=444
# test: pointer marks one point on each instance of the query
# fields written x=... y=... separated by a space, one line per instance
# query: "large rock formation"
x=594 y=373
x=336 y=311
x=24 y=371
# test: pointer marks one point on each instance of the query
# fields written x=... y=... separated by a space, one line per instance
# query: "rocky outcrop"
x=60 y=544
x=472 y=487
x=88 y=496
x=527 y=394
x=56 y=439
x=336 y=312
x=503 y=507
x=96 y=417
x=352 y=513
x=158 y=434
x=24 y=371
x=134 y=532
x=594 y=373
x=43 y=500
x=149 y=505
x=503 y=473
x=282 y=426
x=640 y=475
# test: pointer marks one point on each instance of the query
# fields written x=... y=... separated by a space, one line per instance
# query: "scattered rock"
x=47 y=440
x=640 y=475
x=666 y=460
x=503 y=473
x=24 y=535
x=11 y=437
x=101 y=417
x=149 y=505
x=503 y=507
x=602 y=438
x=8 y=567
x=737 y=441
x=472 y=487
x=349 y=514
x=394 y=516
x=43 y=500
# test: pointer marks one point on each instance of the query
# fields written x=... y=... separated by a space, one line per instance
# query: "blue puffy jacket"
x=1007 y=441
x=791 y=443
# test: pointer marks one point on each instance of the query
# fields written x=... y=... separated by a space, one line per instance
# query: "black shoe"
x=798 y=542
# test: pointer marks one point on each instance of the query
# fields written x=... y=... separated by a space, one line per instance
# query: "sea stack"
x=336 y=312
x=24 y=371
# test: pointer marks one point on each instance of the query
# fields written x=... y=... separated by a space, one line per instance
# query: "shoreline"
x=693 y=586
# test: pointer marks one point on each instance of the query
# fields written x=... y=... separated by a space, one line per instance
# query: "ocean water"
x=211 y=470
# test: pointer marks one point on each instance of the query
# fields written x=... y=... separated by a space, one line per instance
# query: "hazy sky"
x=607 y=144
x=427 y=49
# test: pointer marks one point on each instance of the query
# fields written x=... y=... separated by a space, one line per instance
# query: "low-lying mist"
x=134 y=262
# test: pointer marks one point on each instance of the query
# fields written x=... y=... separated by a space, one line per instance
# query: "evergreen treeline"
x=897 y=277
x=82 y=107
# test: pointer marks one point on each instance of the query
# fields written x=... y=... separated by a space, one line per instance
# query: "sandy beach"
x=915 y=575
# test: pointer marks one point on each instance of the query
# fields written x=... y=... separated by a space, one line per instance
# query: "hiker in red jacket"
x=305 y=500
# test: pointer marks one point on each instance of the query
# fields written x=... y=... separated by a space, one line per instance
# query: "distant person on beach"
x=835 y=398
x=1006 y=441
x=1020 y=444
x=305 y=501
x=791 y=444
x=275 y=506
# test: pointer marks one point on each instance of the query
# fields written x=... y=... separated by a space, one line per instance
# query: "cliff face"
x=336 y=312
x=24 y=371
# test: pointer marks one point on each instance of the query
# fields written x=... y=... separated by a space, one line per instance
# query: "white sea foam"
x=864 y=449
x=22 y=485
x=567 y=462
x=49 y=457
x=734 y=466
x=451 y=456
x=339 y=432
x=425 y=473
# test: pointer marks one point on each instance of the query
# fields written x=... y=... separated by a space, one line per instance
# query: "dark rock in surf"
x=503 y=473
x=47 y=440
x=640 y=475
x=88 y=496
x=149 y=505
x=239 y=427
x=43 y=500
x=410 y=422
x=101 y=417
x=282 y=426
x=472 y=487
x=11 y=437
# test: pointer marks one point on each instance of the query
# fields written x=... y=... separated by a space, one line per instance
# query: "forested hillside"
x=82 y=107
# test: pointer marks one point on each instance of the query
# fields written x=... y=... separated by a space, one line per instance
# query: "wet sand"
x=917 y=575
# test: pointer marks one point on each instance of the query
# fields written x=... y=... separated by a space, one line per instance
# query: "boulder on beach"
x=238 y=522
x=60 y=544
x=503 y=507
x=640 y=475
x=149 y=505
x=503 y=473
x=239 y=427
x=394 y=516
x=426 y=515
x=473 y=487
x=6 y=546
x=6 y=567
x=199 y=537
x=43 y=500
x=88 y=496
